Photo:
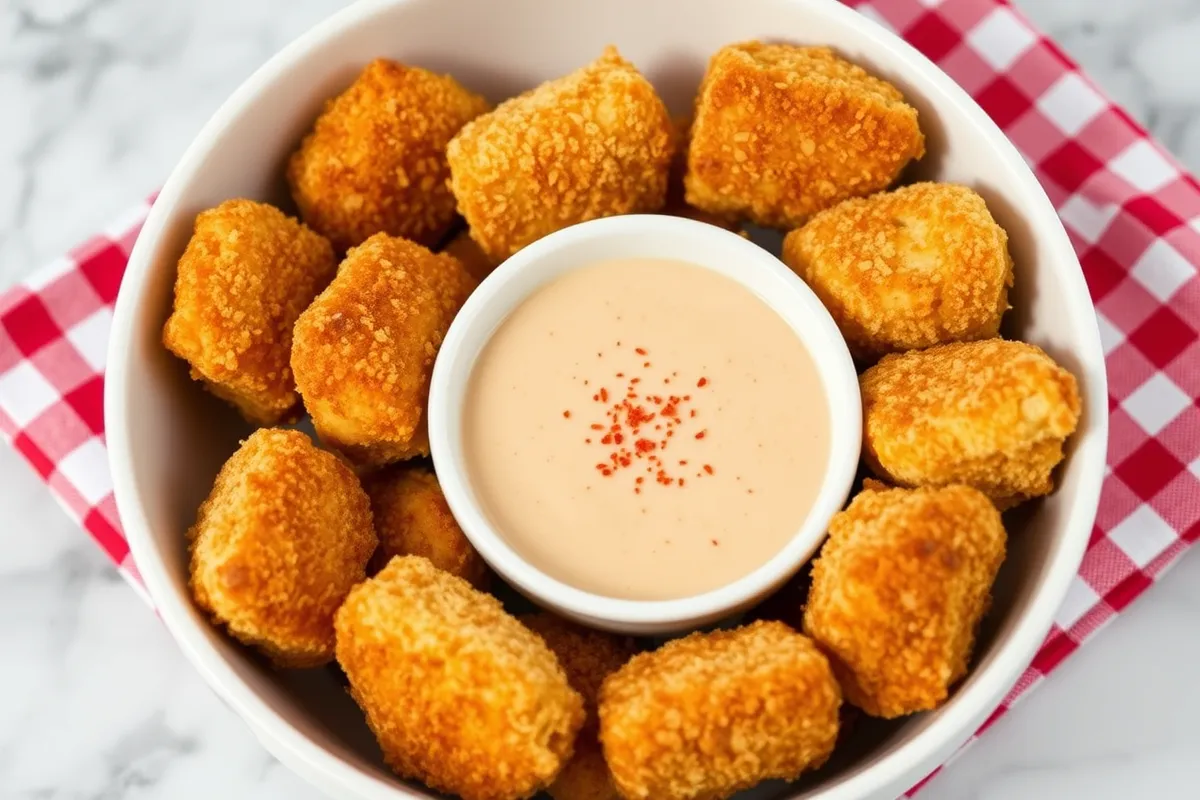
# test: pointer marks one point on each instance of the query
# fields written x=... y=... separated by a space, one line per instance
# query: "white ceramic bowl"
x=167 y=438
x=613 y=239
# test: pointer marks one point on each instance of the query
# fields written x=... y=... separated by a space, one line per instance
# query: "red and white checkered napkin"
x=1133 y=215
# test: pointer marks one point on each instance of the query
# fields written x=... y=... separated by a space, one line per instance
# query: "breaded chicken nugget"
x=676 y=204
x=898 y=591
x=460 y=695
x=782 y=132
x=412 y=518
x=713 y=713
x=905 y=270
x=363 y=351
x=247 y=273
x=471 y=256
x=588 y=657
x=280 y=541
x=375 y=161
x=595 y=143
x=991 y=414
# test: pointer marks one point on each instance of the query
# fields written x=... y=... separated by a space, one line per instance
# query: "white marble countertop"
x=101 y=97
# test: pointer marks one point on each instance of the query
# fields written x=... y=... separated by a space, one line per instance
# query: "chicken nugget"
x=905 y=270
x=280 y=541
x=245 y=276
x=676 y=204
x=412 y=518
x=471 y=256
x=460 y=695
x=363 y=352
x=595 y=143
x=898 y=590
x=782 y=132
x=713 y=713
x=375 y=161
x=588 y=657
x=993 y=415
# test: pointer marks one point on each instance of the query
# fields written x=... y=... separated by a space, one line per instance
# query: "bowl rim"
x=910 y=761
x=809 y=321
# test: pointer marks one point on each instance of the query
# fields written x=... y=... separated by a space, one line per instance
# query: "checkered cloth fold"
x=1132 y=212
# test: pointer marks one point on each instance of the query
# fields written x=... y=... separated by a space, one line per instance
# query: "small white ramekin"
x=642 y=236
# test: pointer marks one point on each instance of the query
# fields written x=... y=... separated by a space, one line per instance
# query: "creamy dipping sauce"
x=645 y=429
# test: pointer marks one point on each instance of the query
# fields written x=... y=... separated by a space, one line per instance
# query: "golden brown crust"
x=363 y=351
x=586 y=775
x=676 y=204
x=905 y=270
x=460 y=695
x=587 y=657
x=245 y=276
x=283 y=536
x=594 y=143
x=991 y=414
x=898 y=591
x=713 y=713
x=412 y=518
x=782 y=132
x=470 y=255
x=375 y=161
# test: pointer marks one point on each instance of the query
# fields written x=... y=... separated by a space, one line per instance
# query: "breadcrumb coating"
x=905 y=270
x=460 y=695
x=993 y=415
x=713 y=713
x=588 y=657
x=898 y=591
x=782 y=132
x=676 y=204
x=471 y=256
x=595 y=143
x=586 y=775
x=245 y=276
x=364 y=350
x=375 y=161
x=412 y=518
x=280 y=541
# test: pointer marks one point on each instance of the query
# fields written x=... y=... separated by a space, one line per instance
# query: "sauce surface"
x=645 y=429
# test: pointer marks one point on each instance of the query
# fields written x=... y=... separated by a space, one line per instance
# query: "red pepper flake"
x=683 y=462
x=645 y=446
x=669 y=410
x=603 y=395
x=597 y=426
x=641 y=351
x=637 y=490
x=681 y=483
x=635 y=380
x=566 y=415
x=702 y=382
x=640 y=478
x=608 y=439
x=646 y=365
x=596 y=397
x=620 y=374
x=666 y=380
x=618 y=438
x=708 y=469
x=693 y=413
x=587 y=441
x=701 y=434
x=715 y=542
